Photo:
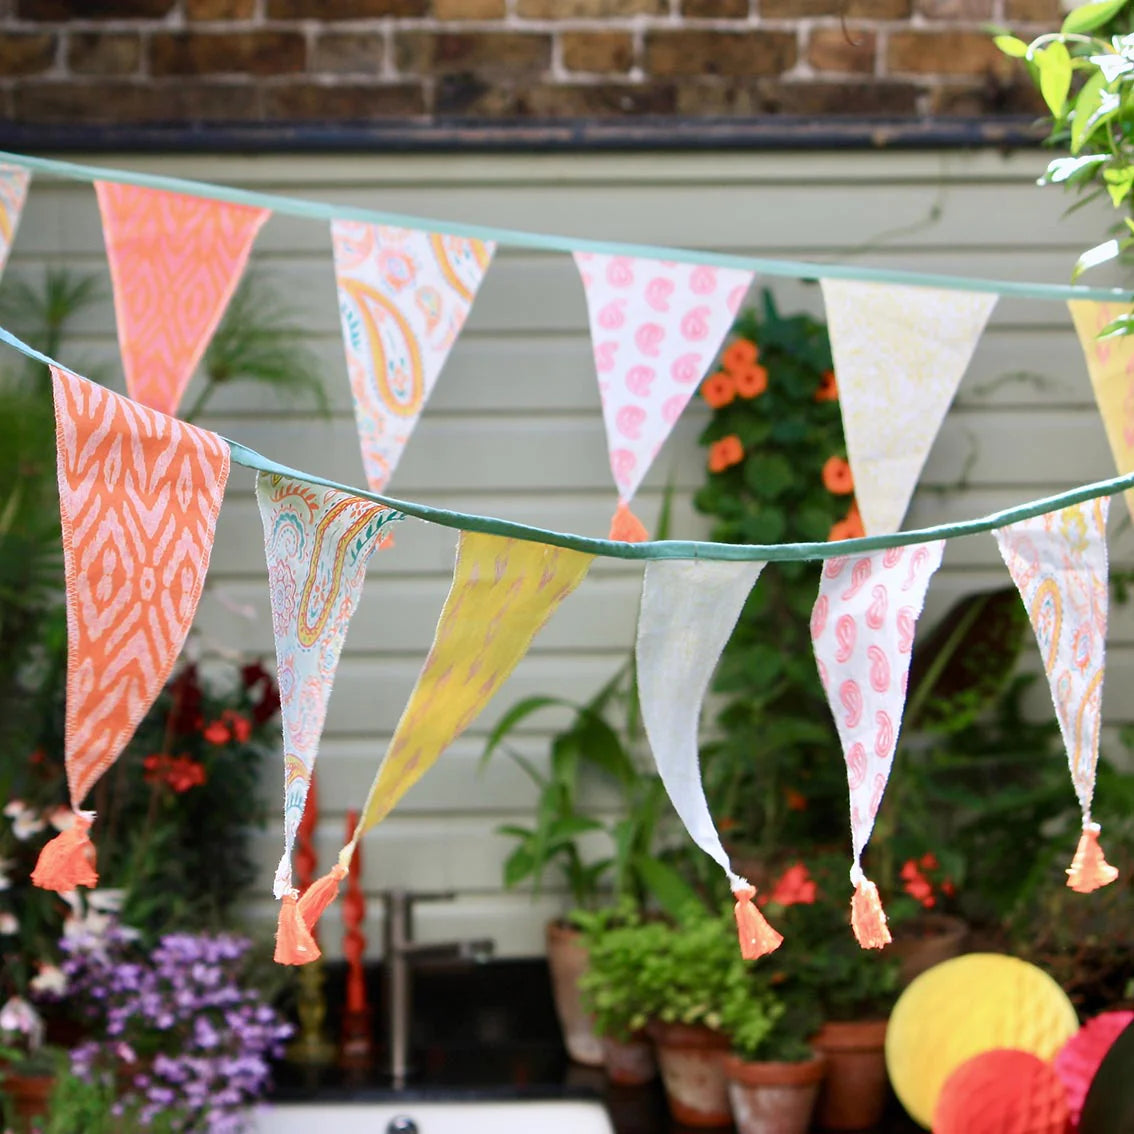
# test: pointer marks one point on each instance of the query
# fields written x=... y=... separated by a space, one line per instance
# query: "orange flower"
x=718 y=389
x=828 y=388
x=725 y=453
x=741 y=354
x=795 y=887
x=837 y=477
x=751 y=383
x=795 y=800
x=849 y=527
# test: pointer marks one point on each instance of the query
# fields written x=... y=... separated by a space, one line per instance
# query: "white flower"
x=9 y=924
x=14 y=807
x=62 y=818
x=25 y=821
x=20 y=1017
x=5 y=865
x=50 y=979
x=106 y=900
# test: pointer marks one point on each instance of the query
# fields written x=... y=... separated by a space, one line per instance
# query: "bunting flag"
x=689 y=609
x=503 y=592
x=317 y=542
x=1059 y=565
x=656 y=326
x=862 y=631
x=1110 y=364
x=404 y=295
x=175 y=262
x=14 y=180
x=899 y=355
x=139 y=495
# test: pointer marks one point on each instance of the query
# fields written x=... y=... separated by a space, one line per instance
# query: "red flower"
x=796 y=800
x=751 y=383
x=795 y=887
x=828 y=388
x=185 y=694
x=178 y=772
x=916 y=883
x=725 y=453
x=241 y=726
x=217 y=733
x=741 y=354
x=719 y=389
x=259 y=684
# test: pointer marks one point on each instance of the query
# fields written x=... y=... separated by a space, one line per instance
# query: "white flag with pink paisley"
x=14 y=181
x=862 y=631
x=656 y=327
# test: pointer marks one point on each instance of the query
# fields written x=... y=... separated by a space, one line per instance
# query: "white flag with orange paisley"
x=404 y=295
x=14 y=181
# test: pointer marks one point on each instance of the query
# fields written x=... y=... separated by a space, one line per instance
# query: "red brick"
x=701 y=53
x=849 y=51
x=850 y=99
x=946 y=53
x=26 y=54
x=103 y=53
x=220 y=9
x=135 y=102
x=852 y=9
x=597 y=51
x=93 y=9
x=990 y=97
x=1047 y=12
x=441 y=53
x=342 y=53
x=344 y=9
x=589 y=9
x=468 y=9
x=305 y=102
x=460 y=97
x=715 y=9
x=241 y=53
x=956 y=10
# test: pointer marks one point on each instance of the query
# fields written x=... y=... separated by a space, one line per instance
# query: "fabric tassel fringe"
x=868 y=920
x=626 y=527
x=68 y=860
x=319 y=895
x=294 y=943
x=757 y=937
x=1089 y=869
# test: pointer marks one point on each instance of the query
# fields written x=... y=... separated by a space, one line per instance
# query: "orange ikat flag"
x=139 y=494
x=175 y=262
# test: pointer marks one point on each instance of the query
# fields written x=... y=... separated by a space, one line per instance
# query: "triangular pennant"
x=862 y=632
x=175 y=262
x=1058 y=562
x=689 y=609
x=656 y=327
x=404 y=295
x=14 y=181
x=899 y=355
x=317 y=542
x=503 y=592
x=1110 y=364
x=139 y=494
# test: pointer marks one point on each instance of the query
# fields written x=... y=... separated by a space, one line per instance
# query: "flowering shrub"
x=176 y=1028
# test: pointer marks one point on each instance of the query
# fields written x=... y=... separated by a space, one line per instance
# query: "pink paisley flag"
x=404 y=295
x=656 y=327
x=1058 y=562
x=318 y=542
x=862 y=631
x=14 y=180
x=175 y=262
x=900 y=354
x=1110 y=363
x=139 y=494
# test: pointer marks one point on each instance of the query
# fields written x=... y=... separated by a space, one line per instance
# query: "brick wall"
x=76 y=61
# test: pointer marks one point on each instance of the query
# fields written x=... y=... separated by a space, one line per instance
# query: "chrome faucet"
x=399 y=954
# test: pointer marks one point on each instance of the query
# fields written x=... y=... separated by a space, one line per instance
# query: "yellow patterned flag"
x=503 y=592
x=1110 y=364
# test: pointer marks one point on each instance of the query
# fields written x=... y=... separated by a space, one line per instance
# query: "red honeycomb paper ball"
x=1002 y=1091
x=1081 y=1055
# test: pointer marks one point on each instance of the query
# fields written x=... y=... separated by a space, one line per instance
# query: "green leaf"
x=1123 y=325
x=1055 y=76
x=768 y=475
x=1100 y=254
x=518 y=712
x=1091 y=16
x=1086 y=103
x=1065 y=169
x=517 y=866
x=1118 y=184
x=1012 y=46
x=671 y=892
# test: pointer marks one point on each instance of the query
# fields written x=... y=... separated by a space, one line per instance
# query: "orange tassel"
x=867 y=918
x=626 y=527
x=1089 y=869
x=319 y=895
x=757 y=937
x=294 y=943
x=69 y=859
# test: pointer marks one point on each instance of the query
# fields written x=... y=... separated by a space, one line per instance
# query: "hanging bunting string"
x=550 y=242
x=668 y=548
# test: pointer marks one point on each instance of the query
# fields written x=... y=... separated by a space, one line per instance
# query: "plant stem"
x=201 y=401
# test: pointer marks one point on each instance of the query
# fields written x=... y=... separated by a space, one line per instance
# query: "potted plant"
x=27 y=1065
x=773 y=1073
x=616 y=991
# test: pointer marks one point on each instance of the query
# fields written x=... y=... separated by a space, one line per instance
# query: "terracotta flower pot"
x=567 y=960
x=933 y=938
x=630 y=1063
x=691 y=1063
x=28 y=1095
x=773 y=1098
x=853 y=1096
